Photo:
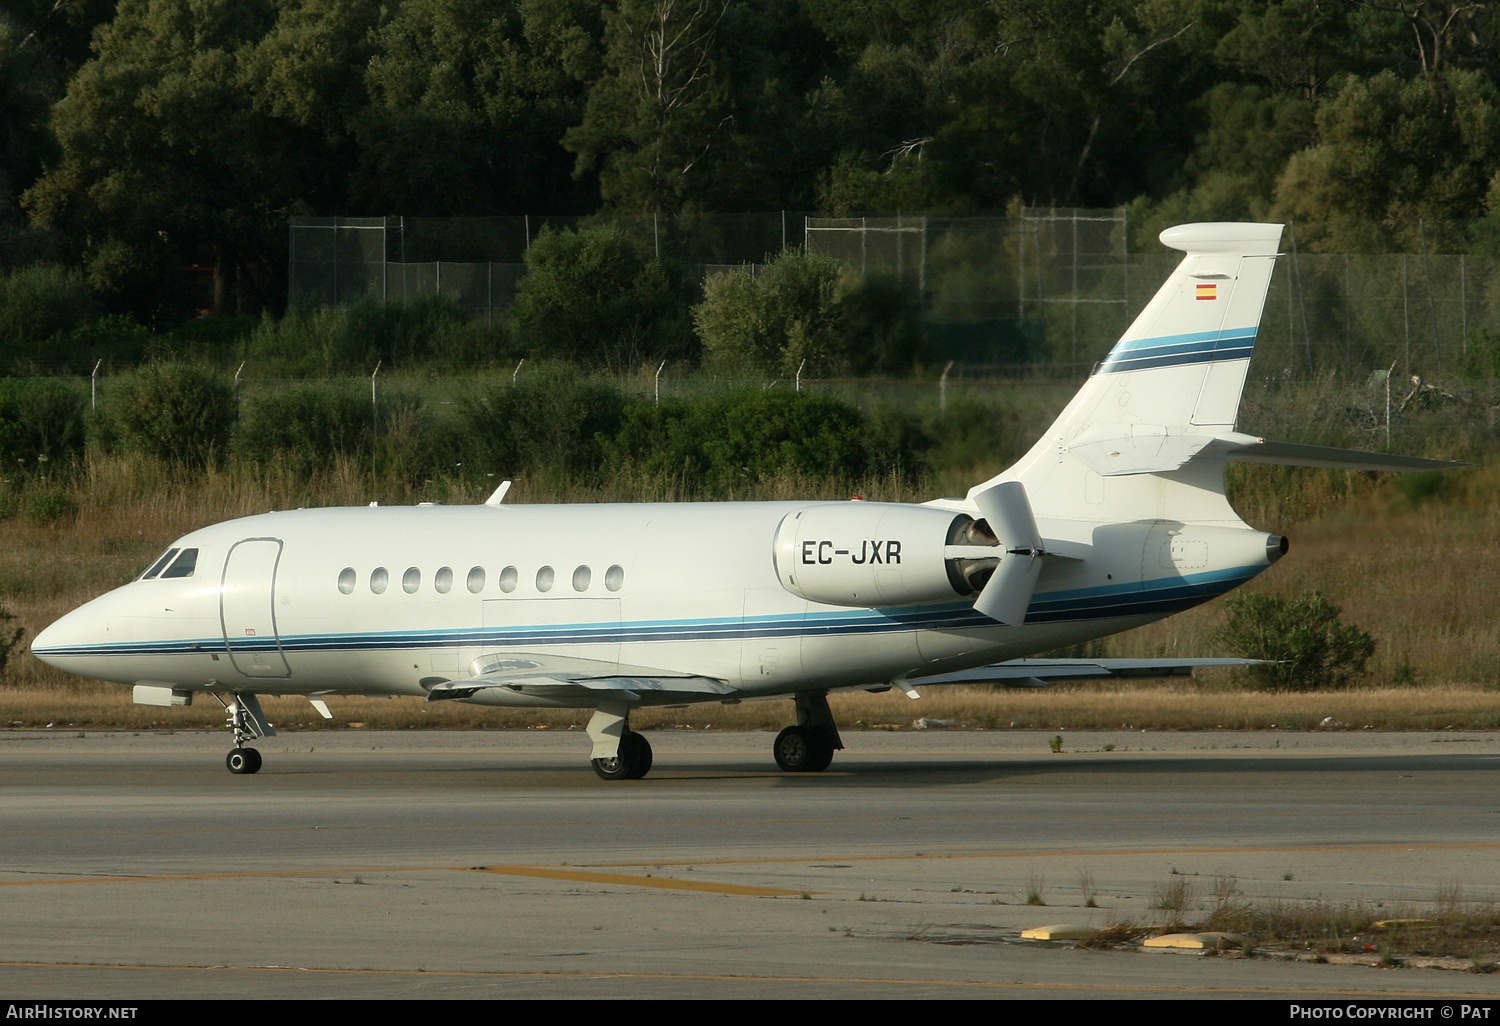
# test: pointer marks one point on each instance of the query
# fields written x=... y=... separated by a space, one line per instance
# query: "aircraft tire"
x=638 y=753
x=802 y=750
x=243 y=760
x=633 y=762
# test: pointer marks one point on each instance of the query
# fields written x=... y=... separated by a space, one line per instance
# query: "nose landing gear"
x=246 y=721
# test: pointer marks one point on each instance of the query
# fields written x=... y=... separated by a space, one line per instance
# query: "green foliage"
x=772 y=322
x=431 y=330
x=1307 y=646
x=306 y=426
x=719 y=446
x=550 y=419
x=41 y=424
x=594 y=297
x=36 y=304
x=175 y=412
x=9 y=638
x=49 y=507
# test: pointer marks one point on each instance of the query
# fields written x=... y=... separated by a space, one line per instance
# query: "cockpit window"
x=155 y=568
x=183 y=565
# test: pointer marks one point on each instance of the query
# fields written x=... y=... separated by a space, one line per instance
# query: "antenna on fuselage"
x=498 y=496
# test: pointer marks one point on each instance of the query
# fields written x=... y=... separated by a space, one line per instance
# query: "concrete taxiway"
x=494 y=864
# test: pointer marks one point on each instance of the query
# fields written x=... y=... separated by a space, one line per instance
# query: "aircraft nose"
x=63 y=637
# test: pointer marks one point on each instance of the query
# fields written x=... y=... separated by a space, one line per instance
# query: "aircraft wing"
x=1038 y=673
x=565 y=677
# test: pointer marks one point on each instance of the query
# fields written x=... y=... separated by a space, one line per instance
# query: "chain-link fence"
x=1046 y=291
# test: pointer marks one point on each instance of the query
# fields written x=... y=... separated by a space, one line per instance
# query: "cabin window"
x=476 y=579
x=379 y=578
x=411 y=580
x=509 y=578
x=443 y=580
x=156 y=568
x=183 y=565
x=581 y=578
x=347 y=577
x=614 y=577
x=544 y=578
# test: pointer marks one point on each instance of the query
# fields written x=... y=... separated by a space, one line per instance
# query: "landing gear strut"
x=246 y=722
x=809 y=746
x=619 y=752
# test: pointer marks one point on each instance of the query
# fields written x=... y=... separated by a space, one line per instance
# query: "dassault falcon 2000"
x=1115 y=518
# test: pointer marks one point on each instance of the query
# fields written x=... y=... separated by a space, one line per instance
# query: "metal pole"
x=1437 y=343
x=94 y=387
x=374 y=398
x=658 y=382
x=943 y=388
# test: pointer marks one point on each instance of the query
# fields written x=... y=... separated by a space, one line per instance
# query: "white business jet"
x=1115 y=518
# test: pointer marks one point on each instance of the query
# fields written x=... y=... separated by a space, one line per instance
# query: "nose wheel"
x=243 y=760
x=246 y=722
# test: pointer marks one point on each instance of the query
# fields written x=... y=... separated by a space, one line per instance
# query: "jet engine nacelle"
x=874 y=554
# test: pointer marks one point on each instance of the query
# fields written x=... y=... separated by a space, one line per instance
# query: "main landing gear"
x=619 y=752
x=809 y=746
x=247 y=722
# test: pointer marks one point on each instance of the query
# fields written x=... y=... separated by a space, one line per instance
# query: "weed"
x=1056 y=744
x=1034 y=890
x=1087 y=889
x=1173 y=898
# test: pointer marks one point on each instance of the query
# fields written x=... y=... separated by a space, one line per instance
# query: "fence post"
x=94 y=387
x=658 y=382
x=374 y=399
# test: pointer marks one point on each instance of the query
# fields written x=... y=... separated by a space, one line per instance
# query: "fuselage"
x=391 y=600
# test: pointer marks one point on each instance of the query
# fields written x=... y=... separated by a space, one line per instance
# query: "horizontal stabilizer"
x=1292 y=454
x=1156 y=451
x=1031 y=673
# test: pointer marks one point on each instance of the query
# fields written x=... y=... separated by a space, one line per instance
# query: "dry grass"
x=1173 y=706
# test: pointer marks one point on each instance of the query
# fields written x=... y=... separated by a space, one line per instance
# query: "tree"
x=468 y=103
x=1398 y=163
x=191 y=134
x=1306 y=647
x=661 y=108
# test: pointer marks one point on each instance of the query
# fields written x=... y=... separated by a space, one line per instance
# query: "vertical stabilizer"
x=1170 y=386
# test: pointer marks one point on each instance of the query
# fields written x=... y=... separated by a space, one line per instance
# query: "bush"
x=353 y=339
x=551 y=418
x=594 y=297
x=1308 y=647
x=9 y=638
x=174 y=412
x=49 y=507
x=37 y=303
x=718 y=446
x=41 y=421
x=772 y=322
x=306 y=426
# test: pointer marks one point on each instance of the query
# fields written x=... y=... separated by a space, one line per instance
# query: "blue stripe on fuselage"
x=1153 y=598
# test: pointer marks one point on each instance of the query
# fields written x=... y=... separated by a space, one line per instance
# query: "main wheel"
x=803 y=750
x=243 y=760
x=633 y=762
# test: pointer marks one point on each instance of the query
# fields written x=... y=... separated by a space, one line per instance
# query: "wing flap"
x=570 y=678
